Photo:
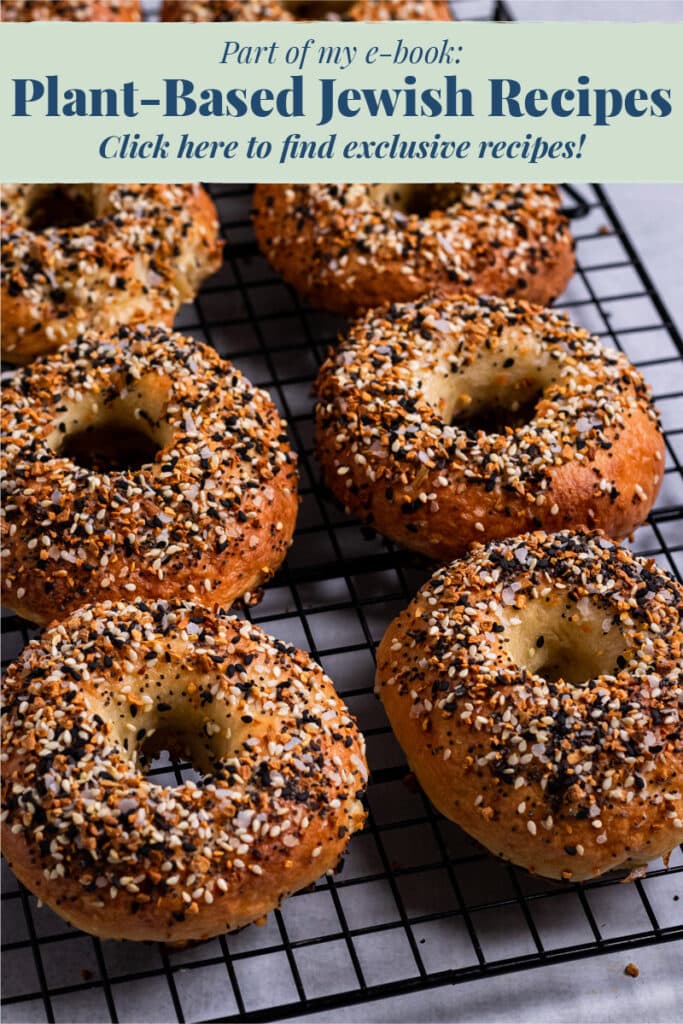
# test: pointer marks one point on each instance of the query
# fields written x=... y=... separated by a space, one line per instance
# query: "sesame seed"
x=381 y=398
x=253 y=807
x=218 y=486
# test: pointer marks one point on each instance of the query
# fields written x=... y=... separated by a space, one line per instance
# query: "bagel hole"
x=564 y=661
x=565 y=642
x=169 y=752
x=318 y=10
x=417 y=199
x=59 y=206
x=109 y=447
x=497 y=417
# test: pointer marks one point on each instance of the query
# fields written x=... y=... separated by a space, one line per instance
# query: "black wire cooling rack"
x=416 y=904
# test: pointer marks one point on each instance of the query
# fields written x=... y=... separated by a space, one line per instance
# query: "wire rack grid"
x=416 y=904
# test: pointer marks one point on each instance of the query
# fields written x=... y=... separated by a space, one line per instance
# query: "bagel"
x=535 y=688
x=124 y=857
x=96 y=256
x=305 y=10
x=70 y=10
x=140 y=464
x=349 y=247
x=449 y=421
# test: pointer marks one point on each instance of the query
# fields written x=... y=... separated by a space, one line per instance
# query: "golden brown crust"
x=141 y=252
x=304 y=10
x=70 y=10
x=345 y=249
x=397 y=449
x=210 y=512
x=122 y=856
x=566 y=778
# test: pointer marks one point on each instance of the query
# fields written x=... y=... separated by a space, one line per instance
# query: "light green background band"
x=546 y=55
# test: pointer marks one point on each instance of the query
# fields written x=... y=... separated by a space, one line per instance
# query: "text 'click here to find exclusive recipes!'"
x=316 y=102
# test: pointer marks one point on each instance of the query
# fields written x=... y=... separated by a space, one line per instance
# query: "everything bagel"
x=116 y=853
x=140 y=464
x=348 y=247
x=96 y=256
x=70 y=10
x=535 y=688
x=448 y=421
x=305 y=10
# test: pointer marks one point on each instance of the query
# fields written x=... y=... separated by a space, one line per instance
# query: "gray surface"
x=590 y=991
x=653 y=215
x=594 y=10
